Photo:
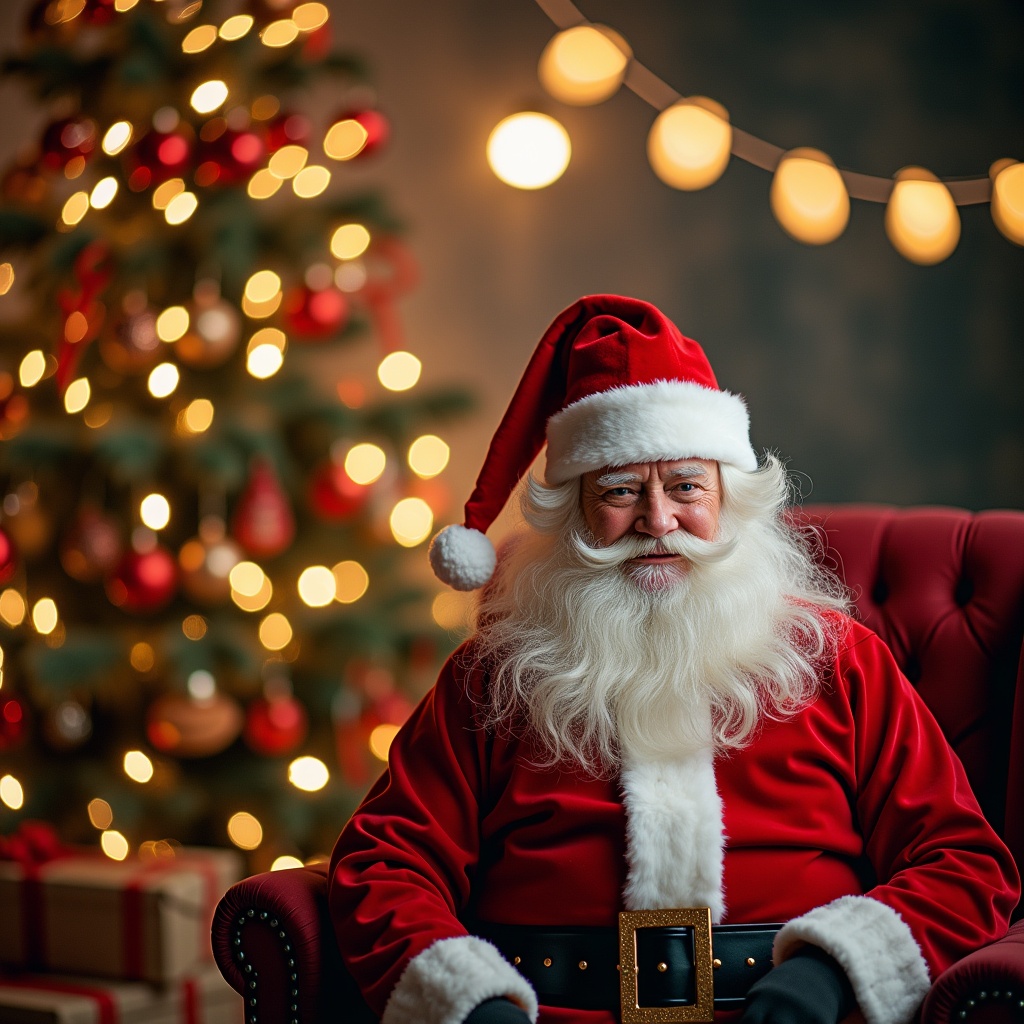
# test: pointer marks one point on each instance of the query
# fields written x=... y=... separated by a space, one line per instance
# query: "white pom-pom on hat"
x=462 y=557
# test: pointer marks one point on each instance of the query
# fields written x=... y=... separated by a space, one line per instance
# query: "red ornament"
x=186 y=726
x=158 y=157
x=92 y=546
x=229 y=157
x=8 y=558
x=144 y=581
x=334 y=495
x=99 y=12
x=315 y=314
x=65 y=139
x=374 y=123
x=263 y=522
x=275 y=725
x=13 y=723
x=287 y=129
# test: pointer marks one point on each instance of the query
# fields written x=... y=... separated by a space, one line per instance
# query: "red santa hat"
x=612 y=382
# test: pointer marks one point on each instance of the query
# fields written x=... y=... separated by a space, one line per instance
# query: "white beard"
x=608 y=663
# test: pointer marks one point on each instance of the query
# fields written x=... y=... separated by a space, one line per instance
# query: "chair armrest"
x=274 y=943
x=986 y=986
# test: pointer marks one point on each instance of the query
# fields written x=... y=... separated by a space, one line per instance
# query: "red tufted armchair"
x=944 y=587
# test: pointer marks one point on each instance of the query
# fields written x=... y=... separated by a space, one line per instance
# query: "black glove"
x=808 y=988
x=497 y=1011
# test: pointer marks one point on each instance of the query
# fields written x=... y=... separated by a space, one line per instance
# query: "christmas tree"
x=210 y=619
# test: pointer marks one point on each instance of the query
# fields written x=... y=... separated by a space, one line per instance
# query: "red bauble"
x=287 y=129
x=65 y=139
x=374 y=123
x=263 y=522
x=92 y=546
x=315 y=314
x=230 y=157
x=13 y=723
x=275 y=725
x=144 y=581
x=185 y=726
x=334 y=495
x=8 y=558
x=158 y=157
x=98 y=12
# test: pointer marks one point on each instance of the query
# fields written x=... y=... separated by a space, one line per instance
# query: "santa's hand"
x=497 y=1011
x=808 y=988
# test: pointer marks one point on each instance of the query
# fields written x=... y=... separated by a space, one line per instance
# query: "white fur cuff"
x=449 y=979
x=876 y=948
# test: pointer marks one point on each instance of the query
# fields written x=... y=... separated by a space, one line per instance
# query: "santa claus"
x=668 y=778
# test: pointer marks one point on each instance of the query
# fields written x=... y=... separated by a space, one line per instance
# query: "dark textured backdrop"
x=878 y=379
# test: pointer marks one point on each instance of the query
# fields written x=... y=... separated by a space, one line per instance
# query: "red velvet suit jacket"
x=852 y=820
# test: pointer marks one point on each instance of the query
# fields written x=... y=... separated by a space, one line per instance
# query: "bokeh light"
x=529 y=150
x=809 y=198
x=399 y=371
x=584 y=64
x=308 y=773
x=689 y=143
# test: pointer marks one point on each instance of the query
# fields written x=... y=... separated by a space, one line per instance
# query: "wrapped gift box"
x=205 y=998
x=84 y=914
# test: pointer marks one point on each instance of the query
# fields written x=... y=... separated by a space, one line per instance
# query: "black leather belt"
x=672 y=962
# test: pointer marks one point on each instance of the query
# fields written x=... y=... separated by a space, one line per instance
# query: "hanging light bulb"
x=584 y=64
x=921 y=218
x=529 y=150
x=809 y=198
x=1008 y=198
x=689 y=143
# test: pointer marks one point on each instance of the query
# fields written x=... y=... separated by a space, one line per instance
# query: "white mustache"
x=695 y=550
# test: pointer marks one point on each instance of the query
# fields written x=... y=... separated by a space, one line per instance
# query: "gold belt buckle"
x=703 y=1007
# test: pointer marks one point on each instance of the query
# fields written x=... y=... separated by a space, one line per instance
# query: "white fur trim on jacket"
x=445 y=982
x=648 y=423
x=876 y=948
x=674 y=835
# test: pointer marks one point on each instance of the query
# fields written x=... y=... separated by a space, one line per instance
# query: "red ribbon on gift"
x=105 y=1005
x=35 y=844
x=381 y=290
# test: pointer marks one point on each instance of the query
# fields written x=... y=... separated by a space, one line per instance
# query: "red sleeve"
x=941 y=866
x=403 y=866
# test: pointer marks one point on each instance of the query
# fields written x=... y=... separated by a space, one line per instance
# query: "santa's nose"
x=657 y=516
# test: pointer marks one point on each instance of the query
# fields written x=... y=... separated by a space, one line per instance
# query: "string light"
x=263 y=360
x=275 y=632
x=197 y=416
x=931 y=238
x=209 y=96
x=202 y=37
x=181 y=207
x=101 y=814
x=44 y=615
x=351 y=581
x=251 y=589
x=114 y=845
x=172 y=323
x=138 y=767
x=808 y=197
x=12 y=607
x=103 y=193
x=1008 y=199
x=529 y=150
x=921 y=219
x=117 y=136
x=345 y=139
x=584 y=64
x=76 y=207
x=12 y=794
x=428 y=456
x=311 y=181
x=309 y=774
x=245 y=831
x=235 y=27
x=201 y=685
x=381 y=738
x=365 y=463
x=263 y=184
x=399 y=371
x=166 y=191
x=309 y=17
x=77 y=396
x=350 y=241
x=411 y=522
x=155 y=511
x=32 y=368
x=284 y=862
x=689 y=143
x=317 y=586
x=142 y=657
x=280 y=33
x=288 y=161
x=163 y=380
x=6 y=277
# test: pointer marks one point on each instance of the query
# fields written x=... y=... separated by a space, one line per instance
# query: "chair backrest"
x=944 y=588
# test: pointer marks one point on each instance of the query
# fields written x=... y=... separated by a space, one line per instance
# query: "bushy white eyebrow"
x=618 y=479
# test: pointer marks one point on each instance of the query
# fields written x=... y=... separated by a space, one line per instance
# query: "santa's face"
x=653 y=500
